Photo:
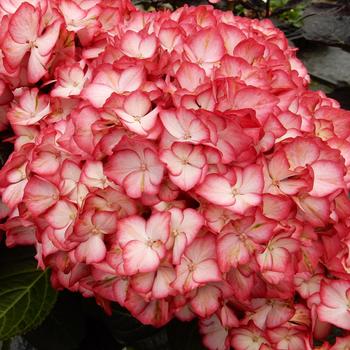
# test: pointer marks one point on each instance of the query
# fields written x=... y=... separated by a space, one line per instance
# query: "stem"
x=267 y=11
x=230 y=5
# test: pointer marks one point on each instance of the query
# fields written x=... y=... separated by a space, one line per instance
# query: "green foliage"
x=26 y=296
x=291 y=15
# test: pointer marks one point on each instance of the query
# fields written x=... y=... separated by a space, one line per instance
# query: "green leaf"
x=26 y=296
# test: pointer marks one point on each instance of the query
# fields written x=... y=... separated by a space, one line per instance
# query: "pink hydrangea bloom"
x=178 y=164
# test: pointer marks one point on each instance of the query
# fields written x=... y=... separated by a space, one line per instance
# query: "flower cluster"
x=176 y=163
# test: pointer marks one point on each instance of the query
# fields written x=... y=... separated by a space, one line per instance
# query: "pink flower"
x=137 y=171
x=137 y=115
x=178 y=164
x=143 y=243
x=30 y=108
x=238 y=193
x=249 y=337
x=186 y=164
x=107 y=81
x=184 y=226
x=26 y=35
x=184 y=126
x=198 y=265
x=139 y=45
x=71 y=80
x=334 y=307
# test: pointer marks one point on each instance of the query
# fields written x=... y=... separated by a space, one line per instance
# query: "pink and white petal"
x=206 y=46
x=158 y=226
x=130 y=44
x=180 y=244
x=92 y=174
x=143 y=282
x=14 y=52
x=253 y=181
x=61 y=214
x=97 y=94
x=137 y=104
x=139 y=257
x=292 y=186
x=173 y=163
x=184 y=278
x=121 y=164
x=106 y=221
x=130 y=229
x=155 y=167
x=131 y=79
x=231 y=252
x=206 y=301
x=244 y=202
x=334 y=294
x=36 y=66
x=48 y=40
x=314 y=210
x=46 y=163
x=91 y=251
x=215 y=336
x=328 y=177
x=137 y=183
x=148 y=46
x=171 y=123
x=24 y=24
x=13 y=194
x=192 y=223
x=207 y=271
x=39 y=195
x=339 y=317
x=188 y=178
x=190 y=76
x=217 y=190
x=301 y=152
x=164 y=277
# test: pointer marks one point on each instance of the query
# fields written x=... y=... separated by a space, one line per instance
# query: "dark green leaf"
x=327 y=24
x=26 y=296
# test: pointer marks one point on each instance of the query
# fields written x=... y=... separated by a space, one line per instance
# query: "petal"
x=105 y=221
x=328 y=177
x=161 y=287
x=207 y=271
x=130 y=229
x=97 y=94
x=217 y=190
x=206 y=301
x=231 y=252
x=190 y=76
x=48 y=40
x=92 y=251
x=61 y=215
x=139 y=257
x=39 y=195
x=137 y=104
x=24 y=24
x=206 y=46
x=158 y=226
x=121 y=164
